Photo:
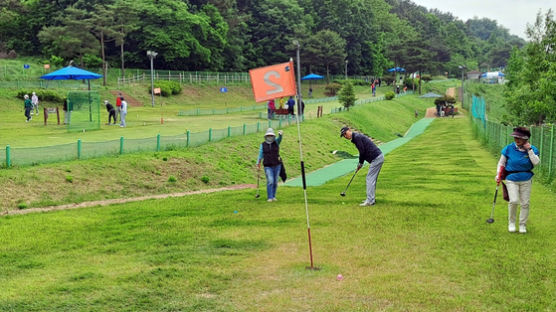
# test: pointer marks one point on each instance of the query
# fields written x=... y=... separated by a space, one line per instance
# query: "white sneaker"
x=366 y=203
x=274 y=199
x=522 y=229
x=511 y=228
x=269 y=200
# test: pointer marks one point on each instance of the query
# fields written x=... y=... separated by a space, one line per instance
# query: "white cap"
x=105 y=101
x=26 y=96
x=269 y=131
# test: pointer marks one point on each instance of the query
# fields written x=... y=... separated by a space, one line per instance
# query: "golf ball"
x=339 y=277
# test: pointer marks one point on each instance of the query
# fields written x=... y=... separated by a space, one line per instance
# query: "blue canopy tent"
x=312 y=77
x=397 y=70
x=75 y=73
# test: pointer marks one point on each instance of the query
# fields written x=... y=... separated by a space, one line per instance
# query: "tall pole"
x=152 y=55
x=346 y=70
x=312 y=267
x=462 y=67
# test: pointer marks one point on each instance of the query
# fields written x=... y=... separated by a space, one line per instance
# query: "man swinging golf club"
x=372 y=154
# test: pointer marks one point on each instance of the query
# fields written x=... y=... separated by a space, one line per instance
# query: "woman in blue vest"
x=269 y=152
x=518 y=159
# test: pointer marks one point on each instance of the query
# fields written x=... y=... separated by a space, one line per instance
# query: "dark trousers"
x=112 y=115
x=28 y=112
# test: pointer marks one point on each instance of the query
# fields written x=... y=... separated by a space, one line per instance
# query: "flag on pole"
x=273 y=81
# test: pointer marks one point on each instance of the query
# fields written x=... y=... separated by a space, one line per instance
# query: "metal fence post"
x=244 y=129
x=8 y=157
x=541 y=144
x=210 y=134
x=158 y=142
x=229 y=131
x=121 y=145
x=78 y=148
x=258 y=126
x=187 y=143
x=551 y=151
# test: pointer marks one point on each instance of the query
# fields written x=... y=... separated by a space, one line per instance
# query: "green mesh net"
x=83 y=111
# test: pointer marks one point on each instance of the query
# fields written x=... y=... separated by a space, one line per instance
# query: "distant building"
x=493 y=77
x=473 y=75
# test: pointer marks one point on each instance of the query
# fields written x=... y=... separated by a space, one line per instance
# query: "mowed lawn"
x=425 y=246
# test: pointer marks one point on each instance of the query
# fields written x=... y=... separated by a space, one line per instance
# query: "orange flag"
x=273 y=81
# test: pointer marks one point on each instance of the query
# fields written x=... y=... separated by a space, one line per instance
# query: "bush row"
x=167 y=88
x=44 y=95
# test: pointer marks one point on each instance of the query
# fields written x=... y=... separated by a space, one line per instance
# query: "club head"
x=490 y=220
x=343 y=194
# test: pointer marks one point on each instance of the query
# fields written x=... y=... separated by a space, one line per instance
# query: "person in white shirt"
x=35 y=102
x=123 y=113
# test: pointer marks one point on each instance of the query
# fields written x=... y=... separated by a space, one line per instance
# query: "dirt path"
x=131 y=101
x=451 y=92
x=124 y=200
x=431 y=112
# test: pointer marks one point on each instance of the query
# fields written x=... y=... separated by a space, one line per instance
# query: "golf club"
x=344 y=192
x=258 y=178
x=491 y=219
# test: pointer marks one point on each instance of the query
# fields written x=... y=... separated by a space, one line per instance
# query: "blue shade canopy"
x=491 y=75
x=71 y=72
x=312 y=77
x=396 y=69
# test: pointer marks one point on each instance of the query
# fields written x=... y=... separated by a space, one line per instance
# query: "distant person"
x=405 y=89
x=271 y=108
x=28 y=107
x=379 y=82
x=373 y=89
x=118 y=105
x=123 y=112
x=517 y=159
x=66 y=112
x=310 y=92
x=35 y=101
x=302 y=108
x=397 y=89
x=111 y=112
x=372 y=154
x=416 y=113
x=281 y=103
x=269 y=153
x=291 y=105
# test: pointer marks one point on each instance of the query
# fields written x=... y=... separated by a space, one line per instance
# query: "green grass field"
x=424 y=247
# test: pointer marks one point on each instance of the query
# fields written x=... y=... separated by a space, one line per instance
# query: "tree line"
x=236 y=35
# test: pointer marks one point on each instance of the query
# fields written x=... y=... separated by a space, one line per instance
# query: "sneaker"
x=522 y=229
x=269 y=200
x=511 y=228
x=366 y=203
x=274 y=199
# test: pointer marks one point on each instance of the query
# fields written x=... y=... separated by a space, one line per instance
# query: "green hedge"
x=44 y=95
x=167 y=88
x=389 y=95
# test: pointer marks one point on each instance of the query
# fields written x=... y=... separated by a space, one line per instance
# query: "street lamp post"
x=463 y=68
x=346 y=69
x=152 y=55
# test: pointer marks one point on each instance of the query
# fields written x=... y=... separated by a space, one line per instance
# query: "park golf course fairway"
x=425 y=246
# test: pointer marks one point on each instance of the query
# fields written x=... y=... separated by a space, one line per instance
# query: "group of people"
x=30 y=105
x=269 y=154
x=514 y=166
x=120 y=110
x=271 y=107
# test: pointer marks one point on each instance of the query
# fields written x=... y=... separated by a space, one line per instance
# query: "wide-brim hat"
x=521 y=132
x=269 y=131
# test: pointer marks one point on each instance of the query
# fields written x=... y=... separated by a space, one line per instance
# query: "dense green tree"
x=326 y=48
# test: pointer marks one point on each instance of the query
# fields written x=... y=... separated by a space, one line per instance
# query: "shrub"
x=92 y=61
x=347 y=95
x=172 y=179
x=21 y=205
x=44 y=95
x=332 y=89
x=205 y=179
x=167 y=88
x=445 y=99
x=426 y=78
x=69 y=179
x=56 y=60
x=389 y=95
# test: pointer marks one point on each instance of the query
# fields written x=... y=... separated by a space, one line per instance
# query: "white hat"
x=269 y=131
x=26 y=96
x=105 y=101
x=34 y=93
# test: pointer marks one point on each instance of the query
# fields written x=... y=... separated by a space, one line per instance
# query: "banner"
x=272 y=82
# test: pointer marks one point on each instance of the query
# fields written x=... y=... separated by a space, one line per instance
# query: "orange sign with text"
x=273 y=81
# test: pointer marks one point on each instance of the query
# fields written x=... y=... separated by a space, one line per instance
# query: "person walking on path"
x=291 y=104
x=119 y=99
x=28 y=107
x=516 y=162
x=35 y=102
x=123 y=113
x=111 y=111
x=269 y=152
x=372 y=154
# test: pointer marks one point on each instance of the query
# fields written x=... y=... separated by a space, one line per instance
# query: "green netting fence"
x=497 y=135
x=83 y=111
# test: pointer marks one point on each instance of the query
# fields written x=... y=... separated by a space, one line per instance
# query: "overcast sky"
x=511 y=14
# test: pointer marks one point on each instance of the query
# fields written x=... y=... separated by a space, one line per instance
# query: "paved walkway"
x=343 y=167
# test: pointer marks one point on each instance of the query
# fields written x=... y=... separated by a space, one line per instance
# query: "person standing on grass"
x=269 y=152
x=111 y=111
x=123 y=112
x=28 y=107
x=518 y=159
x=118 y=105
x=372 y=154
x=291 y=104
x=35 y=101
x=271 y=108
